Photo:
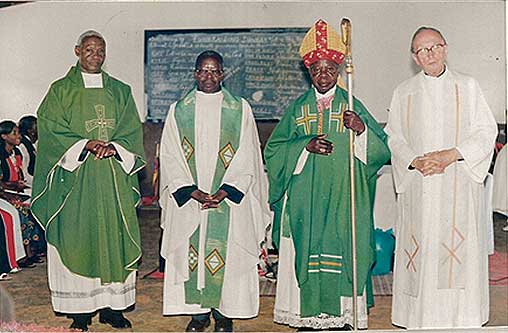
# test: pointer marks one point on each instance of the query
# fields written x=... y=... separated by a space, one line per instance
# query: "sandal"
x=15 y=270
x=5 y=277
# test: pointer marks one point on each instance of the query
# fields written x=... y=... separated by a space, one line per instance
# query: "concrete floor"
x=29 y=290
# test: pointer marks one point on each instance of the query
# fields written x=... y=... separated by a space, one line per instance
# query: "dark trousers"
x=204 y=316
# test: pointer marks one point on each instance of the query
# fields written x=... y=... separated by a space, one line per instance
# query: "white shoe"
x=5 y=277
x=16 y=270
x=505 y=228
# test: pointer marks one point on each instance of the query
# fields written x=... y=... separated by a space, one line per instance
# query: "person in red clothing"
x=12 y=187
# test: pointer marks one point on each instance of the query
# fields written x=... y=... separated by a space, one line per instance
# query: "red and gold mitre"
x=322 y=42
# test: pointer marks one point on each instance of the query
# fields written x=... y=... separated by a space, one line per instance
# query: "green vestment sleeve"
x=281 y=155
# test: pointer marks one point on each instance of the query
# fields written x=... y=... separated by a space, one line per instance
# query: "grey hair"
x=420 y=29
x=87 y=34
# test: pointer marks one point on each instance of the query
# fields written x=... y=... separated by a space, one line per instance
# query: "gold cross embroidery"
x=411 y=256
x=306 y=118
x=451 y=251
x=339 y=118
x=101 y=123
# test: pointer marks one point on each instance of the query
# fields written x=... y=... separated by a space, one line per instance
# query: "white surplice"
x=441 y=264
x=500 y=183
x=248 y=220
x=73 y=293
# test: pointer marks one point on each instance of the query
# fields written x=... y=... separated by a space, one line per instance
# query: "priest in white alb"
x=441 y=135
x=214 y=203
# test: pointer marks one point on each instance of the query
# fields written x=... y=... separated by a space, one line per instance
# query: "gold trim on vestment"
x=455 y=185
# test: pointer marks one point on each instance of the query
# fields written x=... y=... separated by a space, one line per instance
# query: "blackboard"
x=261 y=65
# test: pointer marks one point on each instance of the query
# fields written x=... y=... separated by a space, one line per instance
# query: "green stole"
x=218 y=218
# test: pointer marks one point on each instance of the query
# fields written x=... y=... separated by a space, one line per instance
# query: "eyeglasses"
x=205 y=71
x=425 y=51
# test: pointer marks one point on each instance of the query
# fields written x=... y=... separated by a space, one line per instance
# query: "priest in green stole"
x=214 y=203
x=307 y=157
x=86 y=188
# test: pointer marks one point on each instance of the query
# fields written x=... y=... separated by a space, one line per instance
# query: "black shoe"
x=36 y=260
x=80 y=322
x=223 y=325
x=114 y=318
x=346 y=327
x=307 y=329
x=197 y=325
x=26 y=263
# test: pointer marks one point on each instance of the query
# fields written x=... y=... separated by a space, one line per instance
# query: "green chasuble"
x=218 y=218
x=89 y=214
x=317 y=210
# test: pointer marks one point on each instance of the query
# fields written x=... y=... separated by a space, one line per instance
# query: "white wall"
x=37 y=41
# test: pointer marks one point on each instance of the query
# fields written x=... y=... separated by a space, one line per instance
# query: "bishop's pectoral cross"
x=101 y=123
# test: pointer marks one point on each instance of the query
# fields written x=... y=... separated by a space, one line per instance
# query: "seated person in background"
x=28 y=131
x=10 y=227
x=5 y=265
x=6 y=247
x=12 y=182
x=499 y=193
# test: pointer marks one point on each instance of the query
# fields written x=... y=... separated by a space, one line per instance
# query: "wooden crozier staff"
x=345 y=27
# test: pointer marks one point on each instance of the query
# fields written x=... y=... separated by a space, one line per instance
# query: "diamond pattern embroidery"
x=188 y=150
x=193 y=258
x=226 y=154
x=214 y=262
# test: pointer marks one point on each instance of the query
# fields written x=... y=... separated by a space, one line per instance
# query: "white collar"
x=92 y=80
x=441 y=76
x=209 y=94
x=329 y=93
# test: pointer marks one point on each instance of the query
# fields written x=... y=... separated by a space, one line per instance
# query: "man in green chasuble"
x=214 y=203
x=85 y=189
x=307 y=157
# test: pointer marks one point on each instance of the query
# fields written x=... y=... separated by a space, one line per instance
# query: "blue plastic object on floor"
x=385 y=246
